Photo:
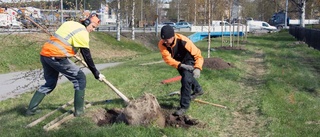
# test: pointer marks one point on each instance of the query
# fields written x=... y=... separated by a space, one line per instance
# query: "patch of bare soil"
x=230 y=48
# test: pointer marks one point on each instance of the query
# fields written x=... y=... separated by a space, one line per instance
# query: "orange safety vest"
x=59 y=46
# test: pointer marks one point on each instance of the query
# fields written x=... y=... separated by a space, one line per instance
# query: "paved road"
x=14 y=84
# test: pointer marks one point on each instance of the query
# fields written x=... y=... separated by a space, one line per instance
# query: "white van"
x=260 y=25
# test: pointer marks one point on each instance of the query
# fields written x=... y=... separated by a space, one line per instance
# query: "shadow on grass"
x=14 y=113
x=168 y=102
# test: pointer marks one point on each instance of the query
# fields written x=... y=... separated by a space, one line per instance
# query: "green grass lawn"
x=273 y=90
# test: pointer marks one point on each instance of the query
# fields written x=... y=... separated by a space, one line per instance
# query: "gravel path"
x=16 y=83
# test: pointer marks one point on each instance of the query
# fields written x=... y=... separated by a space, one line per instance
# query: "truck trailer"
x=278 y=20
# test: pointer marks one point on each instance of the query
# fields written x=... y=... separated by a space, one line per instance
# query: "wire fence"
x=309 y=36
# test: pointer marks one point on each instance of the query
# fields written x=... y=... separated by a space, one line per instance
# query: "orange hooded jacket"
x=181 y=51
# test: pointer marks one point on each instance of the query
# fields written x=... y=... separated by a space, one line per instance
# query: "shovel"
x=108 y=83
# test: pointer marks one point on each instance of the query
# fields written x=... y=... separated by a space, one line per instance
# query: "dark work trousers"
x=188 y=83
x=52 y=66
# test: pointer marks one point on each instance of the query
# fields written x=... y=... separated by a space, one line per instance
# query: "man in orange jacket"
x=70 y=37
x=179 y=52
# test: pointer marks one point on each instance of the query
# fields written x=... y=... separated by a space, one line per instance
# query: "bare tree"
x=118 y=21
x=300 y=5
x=132 y=19
x=209 y=24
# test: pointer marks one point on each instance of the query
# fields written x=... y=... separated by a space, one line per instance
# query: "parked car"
x=172 y=24
x=182 y=25
x=159 y=25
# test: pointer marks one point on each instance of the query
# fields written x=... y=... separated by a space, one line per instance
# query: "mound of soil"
x=143 y=111
x=216 y=63
x=230 y=48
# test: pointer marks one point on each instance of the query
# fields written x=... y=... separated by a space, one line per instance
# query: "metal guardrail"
x=102 y=28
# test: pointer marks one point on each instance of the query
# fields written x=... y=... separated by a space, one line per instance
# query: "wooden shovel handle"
x=205 y=102
x=108 y=83
x=117 y=91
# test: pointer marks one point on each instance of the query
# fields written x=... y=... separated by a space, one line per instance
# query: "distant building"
x=108 y=15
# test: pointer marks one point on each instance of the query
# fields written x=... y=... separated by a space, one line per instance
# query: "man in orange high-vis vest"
x=65 y=43
x=179 y=52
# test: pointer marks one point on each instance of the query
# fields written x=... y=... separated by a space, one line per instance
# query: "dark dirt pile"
x=216 y=63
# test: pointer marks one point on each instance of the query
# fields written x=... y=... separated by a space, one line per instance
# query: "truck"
x=7 y=18
x=278 y=20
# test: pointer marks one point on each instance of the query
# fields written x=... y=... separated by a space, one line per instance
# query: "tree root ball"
x=143 y=111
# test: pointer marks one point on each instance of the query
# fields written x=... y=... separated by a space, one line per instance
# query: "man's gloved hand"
x=101 y=77
x=186 y=67
x=196 y=73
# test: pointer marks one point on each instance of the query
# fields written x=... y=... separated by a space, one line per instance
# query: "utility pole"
x=141 y=13
x=303 y=13
x=209 y=31
x=61 y=2
x=156 y=29
x=286 y=15
x=118 y=21
x=205 y=12
x=195 y=13
x=230 y=15
x=51 y=19
x=178 y=19
x=76 y=8
x=132 y=19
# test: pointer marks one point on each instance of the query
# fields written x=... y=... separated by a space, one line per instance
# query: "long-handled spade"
x=108 y=83
x=198 y=100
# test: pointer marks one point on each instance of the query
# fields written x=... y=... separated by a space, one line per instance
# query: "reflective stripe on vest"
x=65 y=41
x=60 y=47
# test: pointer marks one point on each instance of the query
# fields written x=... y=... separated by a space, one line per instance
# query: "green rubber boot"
x=35 y=101
x=78 y=103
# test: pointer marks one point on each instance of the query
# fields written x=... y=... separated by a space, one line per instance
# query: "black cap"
x=167 y=32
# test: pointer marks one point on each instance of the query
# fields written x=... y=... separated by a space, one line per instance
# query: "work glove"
x=196 y=73
x=186 y=67
x=101 y=77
